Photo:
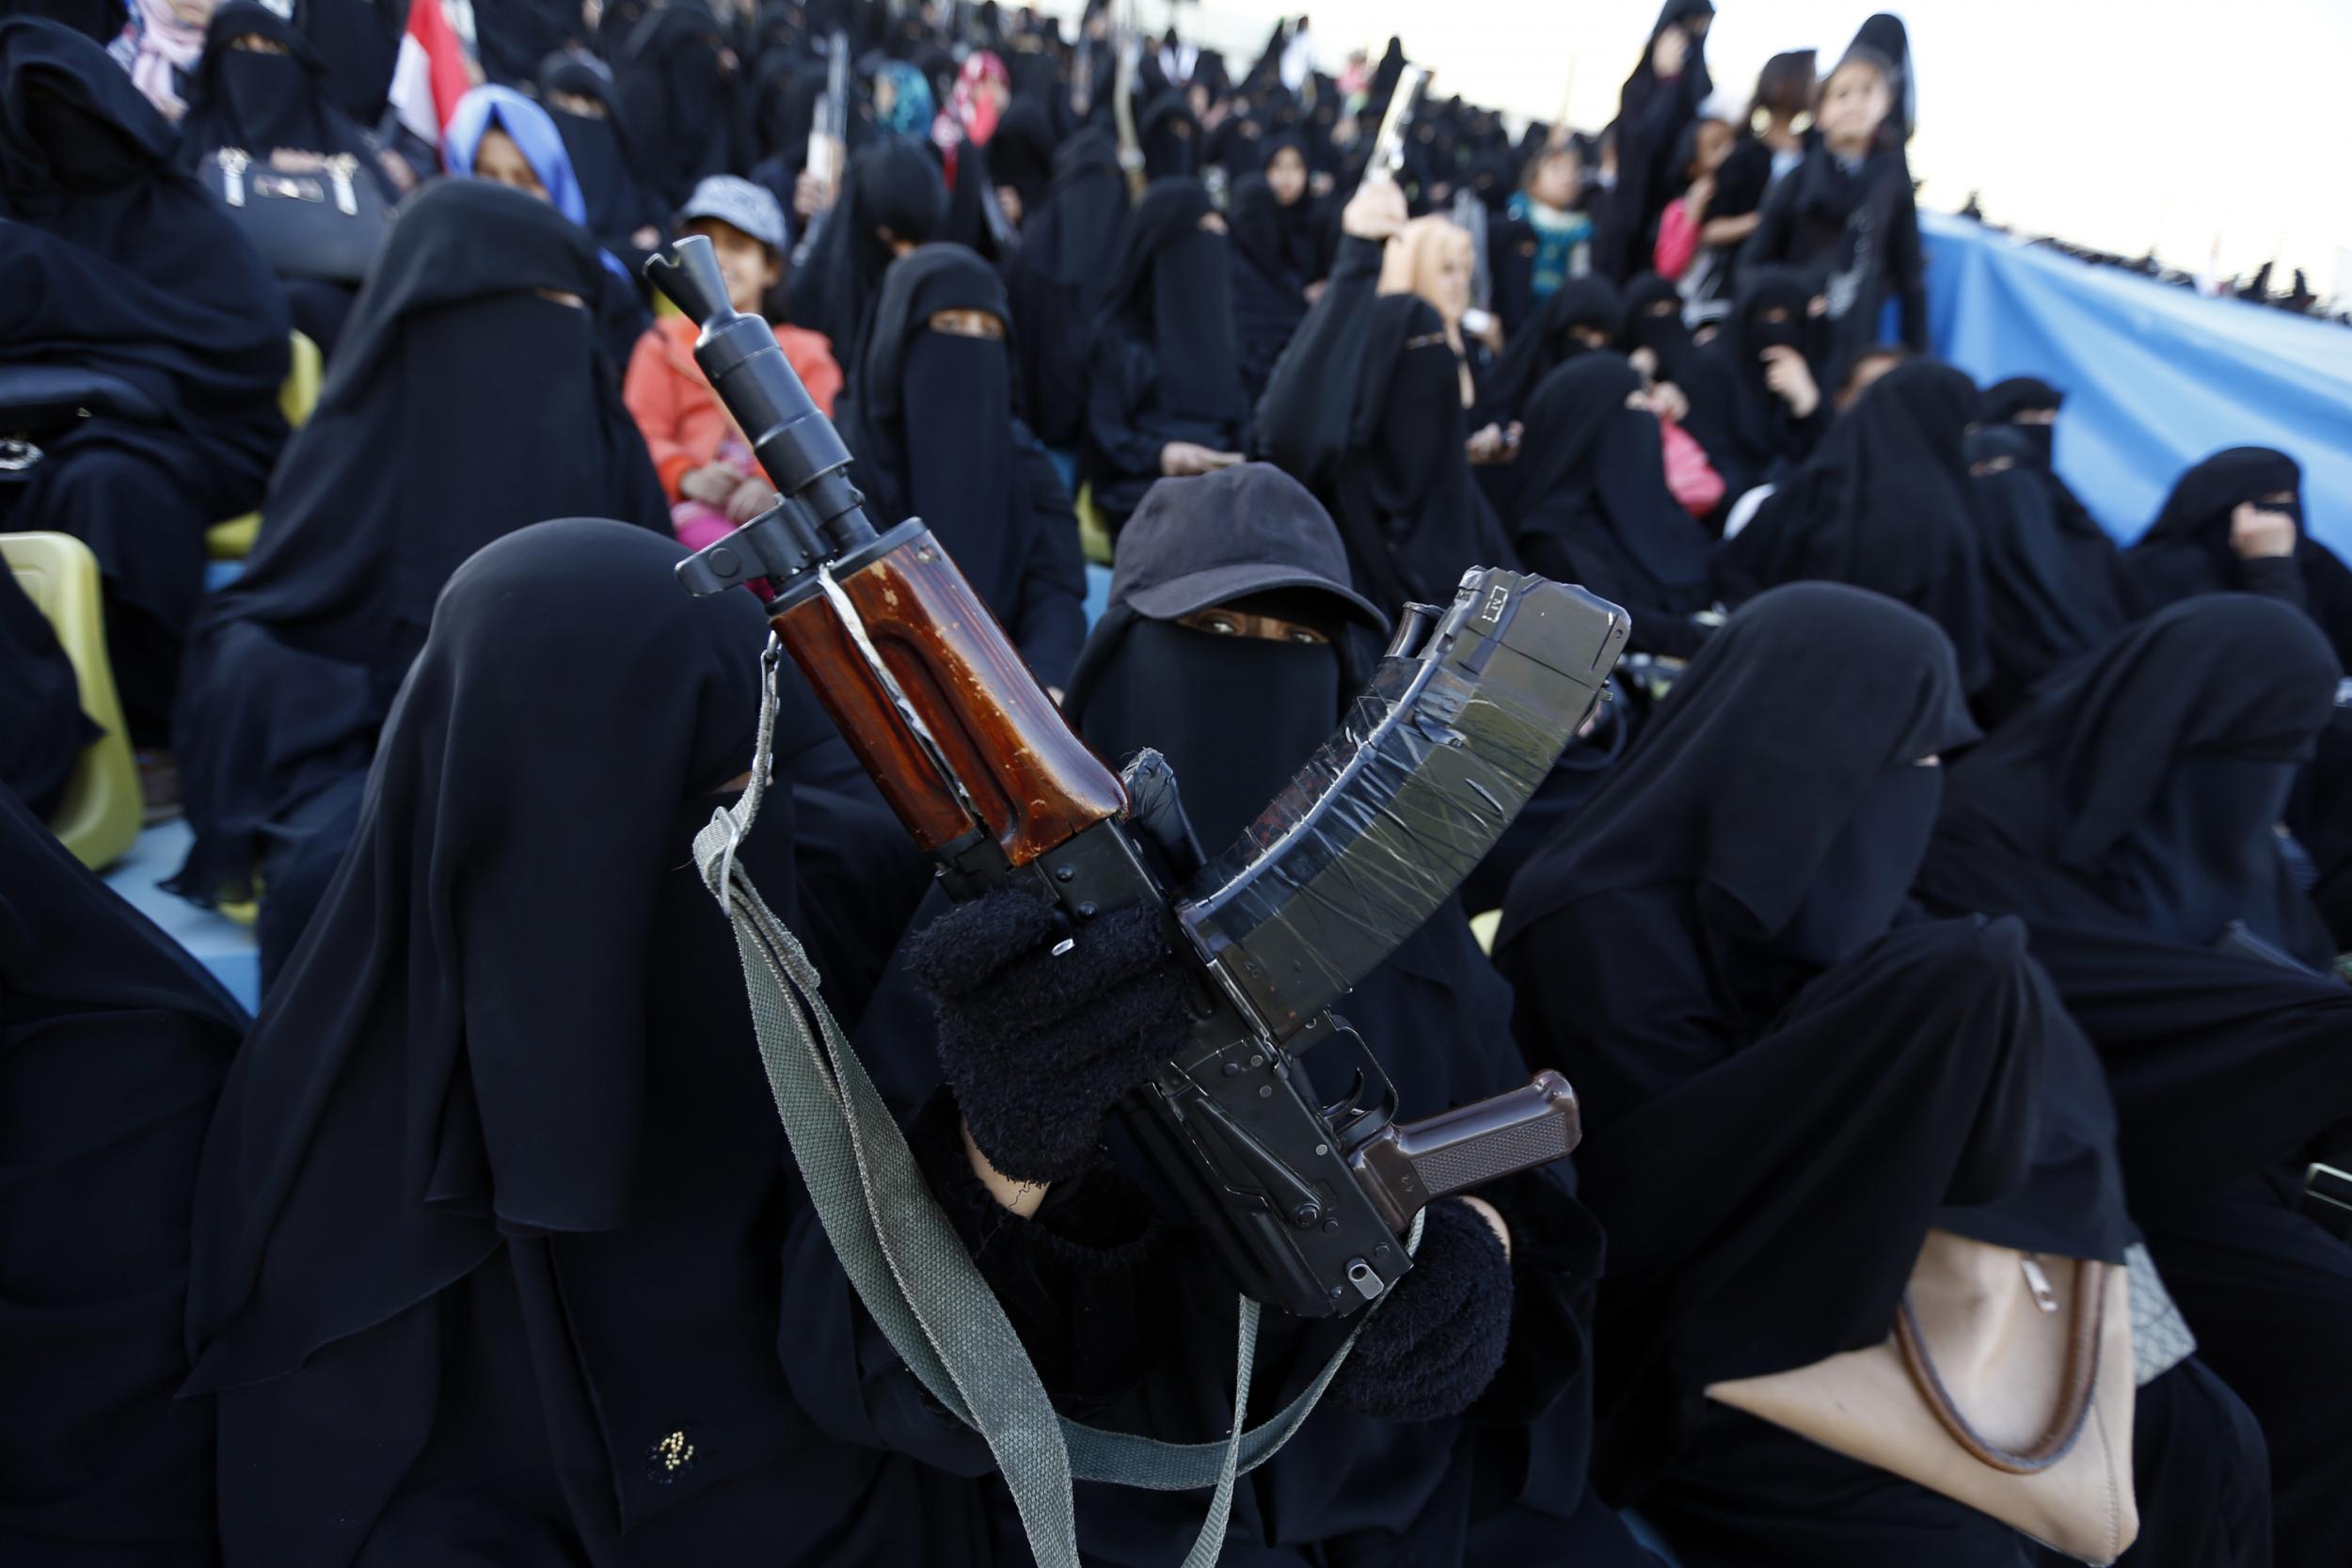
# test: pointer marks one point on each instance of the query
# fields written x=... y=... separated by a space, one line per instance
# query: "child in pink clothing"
x=714 y=484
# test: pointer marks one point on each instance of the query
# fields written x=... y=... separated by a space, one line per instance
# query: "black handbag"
x=308 y=215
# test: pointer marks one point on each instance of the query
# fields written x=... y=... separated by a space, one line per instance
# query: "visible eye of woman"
x=1295 y=633
x=1224 y=626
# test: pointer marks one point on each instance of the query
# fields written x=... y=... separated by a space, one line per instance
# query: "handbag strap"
x=2077 y=1385
x=911 y=1270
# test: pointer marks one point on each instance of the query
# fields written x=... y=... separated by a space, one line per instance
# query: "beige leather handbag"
x=2005 y=1385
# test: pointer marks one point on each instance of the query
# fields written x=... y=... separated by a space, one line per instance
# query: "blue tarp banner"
x=2155 y=376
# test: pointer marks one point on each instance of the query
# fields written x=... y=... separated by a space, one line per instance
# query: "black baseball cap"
x=1246 y=530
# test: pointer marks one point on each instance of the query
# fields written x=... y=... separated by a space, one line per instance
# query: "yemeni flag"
x=432 y=74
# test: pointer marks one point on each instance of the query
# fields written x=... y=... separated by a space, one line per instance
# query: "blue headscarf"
x=912 y=108
x=541 y=144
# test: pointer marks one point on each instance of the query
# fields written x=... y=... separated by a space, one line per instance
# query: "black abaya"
x=491 y=1225
x=1719 y=952
x=1165 y=364
x=121 y=265
x=113 y=1046
x=1064 y=256
x=2055 y=584
x=929 y=421
x=1594 y=508
x=678 y=94
x=1411 y=516
x=1269 y=292
x=1235 y=716
x=619 y=204
x=1652 y=114
x=2126 y=815
x=1591 y=304
x=1751 y=435
x=462 y=407
x=1883 y=503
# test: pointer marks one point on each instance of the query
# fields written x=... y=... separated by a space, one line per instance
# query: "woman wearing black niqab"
x=1752 y=432
x=1170 y=138
x=931 y=423
x=1652 y=112
x=170 y=327
x=1718 y=954
x=359 y=43
x=676 y=92
x=113 y=1046
x=1065 y=257
x=495 y=1214
x=1584 y=315
x=1166 y=369
x=1884 y=504
x=1653 y=324
x=2128 y=814
x=2189 y=549
x=1269 y=290
x=621 y=211
x=261 y=102
x=891 y=201
x=1594 y=508
x=1172 y=665
x=514 y=37
x=464 y=406
x=1413 y=519
x=2055 y=584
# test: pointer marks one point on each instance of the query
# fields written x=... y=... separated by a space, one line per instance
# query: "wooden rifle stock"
x=1033 y=782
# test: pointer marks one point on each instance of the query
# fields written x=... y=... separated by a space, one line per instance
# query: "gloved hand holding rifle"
x=1081 y=884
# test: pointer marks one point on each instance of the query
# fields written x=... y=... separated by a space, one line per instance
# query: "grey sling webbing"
x=909 y=1267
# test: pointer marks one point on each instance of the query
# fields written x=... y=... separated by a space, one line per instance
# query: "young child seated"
x=705 y=462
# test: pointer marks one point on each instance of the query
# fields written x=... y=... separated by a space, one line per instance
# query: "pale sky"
x=2160 y=122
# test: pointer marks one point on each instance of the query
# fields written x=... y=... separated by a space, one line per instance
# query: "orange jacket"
x=676 y=411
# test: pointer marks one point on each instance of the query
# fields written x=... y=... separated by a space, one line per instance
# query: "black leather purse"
x=308 y=215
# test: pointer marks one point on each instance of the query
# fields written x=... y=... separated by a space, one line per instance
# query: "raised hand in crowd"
x=2256 y=531
x=1791 y=380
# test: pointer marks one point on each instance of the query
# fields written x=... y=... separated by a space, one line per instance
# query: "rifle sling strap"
x=909 y=1267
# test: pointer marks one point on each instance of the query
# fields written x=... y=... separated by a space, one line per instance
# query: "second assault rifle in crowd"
x=1308 y=1203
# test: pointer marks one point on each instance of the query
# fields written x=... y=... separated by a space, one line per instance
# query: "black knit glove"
x=1438 y=1340
x=1039 y=1047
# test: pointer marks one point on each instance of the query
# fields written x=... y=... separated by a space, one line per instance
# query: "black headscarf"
x=2054 y=585
x=359 y=43
x=512 y=37
x=397 y=1111
x=113 y=1046
x=1170 y=138
x=619 y=202
x=1594 y=507
x=1668 y=814
x=1548 y=342
x=1884 y=504
x=1407 y=507
x=42 y=728
x=460 y=408
x=1750 y=433
x=2186 y=550
x=1269 y=290
x=138 y=277
x=679 y=100
x=262 y=102
x=894 y=184
x=2147 y=781
x=1172 y=290
x=1660 y=331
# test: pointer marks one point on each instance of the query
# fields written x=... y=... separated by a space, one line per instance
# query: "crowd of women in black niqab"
x=1937 y=867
